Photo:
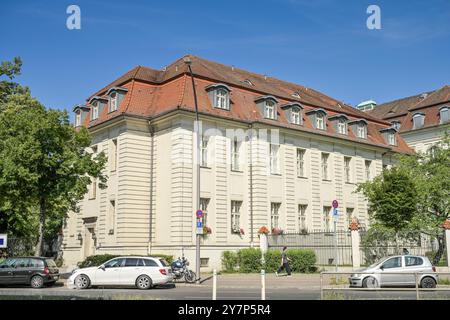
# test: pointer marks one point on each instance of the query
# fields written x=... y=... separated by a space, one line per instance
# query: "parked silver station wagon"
x=396 y=271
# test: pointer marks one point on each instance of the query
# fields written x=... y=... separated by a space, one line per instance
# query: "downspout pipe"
x=251 y=185
x=152 y=149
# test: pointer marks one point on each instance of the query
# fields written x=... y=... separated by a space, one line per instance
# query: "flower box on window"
x=277 y=231
x=207 y=230
x=263 y=230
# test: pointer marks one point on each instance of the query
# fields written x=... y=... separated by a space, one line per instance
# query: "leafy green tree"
x=7 y=87
x=45 y=166
x=393 y=199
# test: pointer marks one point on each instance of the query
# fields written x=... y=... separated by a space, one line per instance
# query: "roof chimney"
x=232 y=68
x=265 y=77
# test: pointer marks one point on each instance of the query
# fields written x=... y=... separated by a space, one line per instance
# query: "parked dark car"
x=33 y=271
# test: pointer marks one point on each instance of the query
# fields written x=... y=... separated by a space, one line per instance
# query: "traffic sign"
x=335 y=204
x=335 y=212
x=199 y=224
x=199 y=213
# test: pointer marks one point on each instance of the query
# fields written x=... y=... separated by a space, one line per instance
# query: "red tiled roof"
x=404 y=109
x=152 y=93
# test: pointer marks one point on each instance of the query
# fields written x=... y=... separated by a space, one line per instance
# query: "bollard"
x=263 y=285
x=214 y=293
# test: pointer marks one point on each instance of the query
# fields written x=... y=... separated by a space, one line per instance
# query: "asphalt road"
x=230 y=287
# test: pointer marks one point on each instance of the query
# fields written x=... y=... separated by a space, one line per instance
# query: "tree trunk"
x=38 y=251
x=440 y=252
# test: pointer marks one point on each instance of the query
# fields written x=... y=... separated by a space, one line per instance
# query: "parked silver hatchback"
x=396 y=271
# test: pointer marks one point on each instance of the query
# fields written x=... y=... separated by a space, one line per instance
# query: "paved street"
x=297 y=287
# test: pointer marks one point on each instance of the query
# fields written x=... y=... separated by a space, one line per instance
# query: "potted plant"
x=263 y=230
x=241 y=231
x=207 y=230
x=277 y=231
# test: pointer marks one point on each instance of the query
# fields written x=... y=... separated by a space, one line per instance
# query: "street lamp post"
x=188 y=62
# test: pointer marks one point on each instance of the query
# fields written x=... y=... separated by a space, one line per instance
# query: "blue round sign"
x=335 y=204
x=199 y=213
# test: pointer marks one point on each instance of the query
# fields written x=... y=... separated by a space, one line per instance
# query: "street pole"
x=188 y=62
x=335 y=243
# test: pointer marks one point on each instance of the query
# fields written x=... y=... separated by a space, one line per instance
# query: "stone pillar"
x=446 y=226
x=356 y=239
x=263 y=243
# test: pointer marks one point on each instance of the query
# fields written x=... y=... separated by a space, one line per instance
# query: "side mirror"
x=381 y=268
x=102 y=267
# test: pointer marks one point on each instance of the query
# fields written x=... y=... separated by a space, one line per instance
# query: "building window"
x=418 y=120
x=300 y=162
x=95 y=111
x=235 y=153
x=274 y=159
x=204 y=152
x=114 y=155
x=327 y=219
x=204 y=203
x=302 y=217
x=274 y=214
x=78 y=119
x=361 y=131
x=396 y=125
x=222 y=99
x=296 y=116
x=325 y=157
x=236 y=216
x=320 y=121
x=349 y=214
x=342 y=126
x=347 y=169
x=113 y=102
x=368 y=164
x=444 y=115
x=269 y=109
x=112 y=216
x=93 y=189
x=391 y=139
x=204 y=262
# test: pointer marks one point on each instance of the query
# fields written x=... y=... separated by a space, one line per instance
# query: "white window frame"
x=348 y=169
x=327 y=218
x=349 y=214
x=361 y=131
x=302 y=217
x=112 y=216
x=204 y=151
x=236 y=216
x=95 y=111
x=444 y=110
x=78 y=119
x=113 y=154
x=222 y=99
x=274 y=214
x=296 y=116
x=235 y=154
x=416 y=118
x=320 y=121
x=269 y=109
x=391 y=139
x=204 y=204
x=301 y=162
x=342 y=126
x=274 y=155
x=325 y=170
x=113 y=101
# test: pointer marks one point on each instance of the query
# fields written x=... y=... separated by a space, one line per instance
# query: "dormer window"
x=113 y=102
x=340 y=123
x=269 y=110
x=342 y=126
x=391 y=139
x=293 y=112
x=396 y=125
x=444 y=115
x=78 y=119
x=318 y=118
x=268 y=107
x=361 y=131
x=219 y=95
x=359 y=128
x=248 y=82
x=296 y=95
x=94 y=111
x=390 y=135
x=418 y=120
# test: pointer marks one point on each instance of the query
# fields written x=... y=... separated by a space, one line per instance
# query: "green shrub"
x=302 y=260
x=96 y=260
x=230 y=261
x=59 y=262
x=272 y=260
x=249 y=260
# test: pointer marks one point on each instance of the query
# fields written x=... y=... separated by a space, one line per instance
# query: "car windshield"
x=377 y=262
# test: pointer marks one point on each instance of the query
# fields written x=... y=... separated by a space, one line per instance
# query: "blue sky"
x=323 y=44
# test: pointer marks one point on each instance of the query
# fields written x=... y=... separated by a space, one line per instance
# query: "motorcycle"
x=180 y=269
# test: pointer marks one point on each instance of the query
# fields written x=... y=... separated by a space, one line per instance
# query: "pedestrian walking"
x=284 y=263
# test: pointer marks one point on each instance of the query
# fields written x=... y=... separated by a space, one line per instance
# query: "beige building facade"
x=254 y=172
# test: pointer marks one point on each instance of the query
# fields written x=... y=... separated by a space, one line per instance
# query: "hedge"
x=249 y=260
x=96 y=260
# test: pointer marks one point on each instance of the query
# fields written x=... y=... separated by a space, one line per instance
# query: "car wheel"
x=428 y=283
x=37 y=282
x=190 y=276
x=82 y=281
x=144 y=282
x=370 y=282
